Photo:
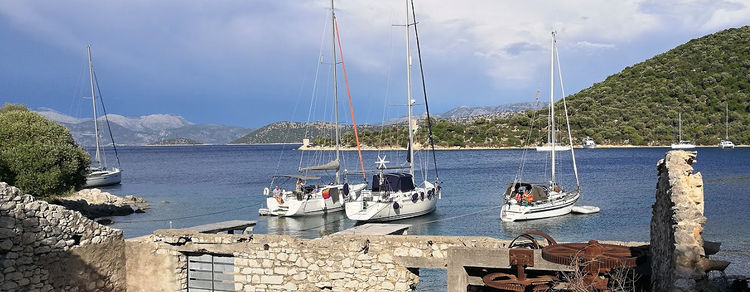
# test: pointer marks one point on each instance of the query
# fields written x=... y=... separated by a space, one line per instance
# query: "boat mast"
x=409 y=101
x=567 y=119
x=679 y=128
x=726 y=131
x=335 y=89
x=93 y=103
x=552 y=104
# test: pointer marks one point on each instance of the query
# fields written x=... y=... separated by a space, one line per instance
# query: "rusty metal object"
x=530 y=236
x=596 y=258
x=520 y=258
x=607 y=256
x=510 y=282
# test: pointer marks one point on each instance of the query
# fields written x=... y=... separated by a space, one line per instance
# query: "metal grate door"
x=210 y=272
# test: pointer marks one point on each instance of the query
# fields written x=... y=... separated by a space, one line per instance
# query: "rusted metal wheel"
x=530 y=236
x=510 y=282
x=595 y=259
x=608 y=256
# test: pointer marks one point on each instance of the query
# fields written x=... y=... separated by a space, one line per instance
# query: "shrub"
x=37 y=155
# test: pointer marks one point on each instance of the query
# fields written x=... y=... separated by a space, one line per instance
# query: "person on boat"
x=525 y=198
x=315 y=190
x=299 y=186
x=299 y=189
x=277 y=195
x=517 y=197
x=529 y=198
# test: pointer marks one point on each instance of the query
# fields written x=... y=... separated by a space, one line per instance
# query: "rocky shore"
x=93 y=203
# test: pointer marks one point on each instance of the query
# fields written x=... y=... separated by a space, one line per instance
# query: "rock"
x=93 y=203
x=105 y=221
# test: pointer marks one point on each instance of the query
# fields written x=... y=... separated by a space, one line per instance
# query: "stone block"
x=387 y=286
x=299 y=276
x=282 y=256
x=385 y=258
x=271 y=279
x=280 y=270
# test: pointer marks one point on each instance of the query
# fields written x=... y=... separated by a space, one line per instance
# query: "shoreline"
x=441 y=148
x=369 y=148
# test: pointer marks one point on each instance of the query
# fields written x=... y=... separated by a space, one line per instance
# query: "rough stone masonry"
x=677 y=262
x=45 y=247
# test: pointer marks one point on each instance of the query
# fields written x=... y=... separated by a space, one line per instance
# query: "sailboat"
x=535 y=200
x=313 y=199
x=726 y=143
x=682 y=144
x=100 y=175
x=394 y=195
x=589 y=143
x=551 y=146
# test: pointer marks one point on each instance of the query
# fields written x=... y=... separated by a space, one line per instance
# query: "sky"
x=250 y=63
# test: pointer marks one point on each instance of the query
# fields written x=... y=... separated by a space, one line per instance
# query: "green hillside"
x=291 y=132
x=638 y=106
x=641 y=103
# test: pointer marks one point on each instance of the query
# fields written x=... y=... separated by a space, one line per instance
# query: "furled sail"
x=333 y=165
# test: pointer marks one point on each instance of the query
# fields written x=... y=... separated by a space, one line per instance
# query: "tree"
x=37 y=155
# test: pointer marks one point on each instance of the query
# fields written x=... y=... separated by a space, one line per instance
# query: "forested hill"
x=638 y=106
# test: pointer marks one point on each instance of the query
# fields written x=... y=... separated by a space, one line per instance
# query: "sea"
x=192 y=185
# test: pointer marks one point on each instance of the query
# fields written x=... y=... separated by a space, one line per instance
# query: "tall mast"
x=93 y=103
x=679 y=128
x=335 y=89
x=409 y=100
x=726 y=131
x=552 y=104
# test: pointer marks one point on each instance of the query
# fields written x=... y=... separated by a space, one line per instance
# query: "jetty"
x=376 y=229
x=243 y=226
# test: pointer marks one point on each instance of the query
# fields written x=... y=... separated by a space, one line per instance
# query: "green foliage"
x=638 y=106
x=39 y=156
x=13 y=107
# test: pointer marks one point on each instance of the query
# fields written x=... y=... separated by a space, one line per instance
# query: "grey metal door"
x=209 y=272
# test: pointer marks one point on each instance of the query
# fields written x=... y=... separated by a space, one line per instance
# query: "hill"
x=144 y=130
x=468 y=114
x=293 y=132
x=637 y=106
x=640 y=105
x=176 y=141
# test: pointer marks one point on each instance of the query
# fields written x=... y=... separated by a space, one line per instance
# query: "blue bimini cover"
x=392 y=182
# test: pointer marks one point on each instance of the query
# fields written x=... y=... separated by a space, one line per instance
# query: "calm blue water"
x=205 y=184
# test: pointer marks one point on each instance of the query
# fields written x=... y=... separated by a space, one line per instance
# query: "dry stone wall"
x=45 y=247
x=676 y=226
x=284 y=263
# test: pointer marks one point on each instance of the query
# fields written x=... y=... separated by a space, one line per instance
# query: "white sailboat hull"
x=683 y=145
x=310 y=204
x=100 y=178
x=548 y=148
x=726 y=144
x=372 y=207
x=557 y=205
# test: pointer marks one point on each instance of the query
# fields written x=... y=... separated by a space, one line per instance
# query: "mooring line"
x=188 y=217
x=458 y=216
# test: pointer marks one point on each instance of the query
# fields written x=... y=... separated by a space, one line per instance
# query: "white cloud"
x=587 y=44
x=507 y=40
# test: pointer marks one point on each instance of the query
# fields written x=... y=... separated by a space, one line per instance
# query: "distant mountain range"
x=294 y=132
x=467 y=114
x=144 y=130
